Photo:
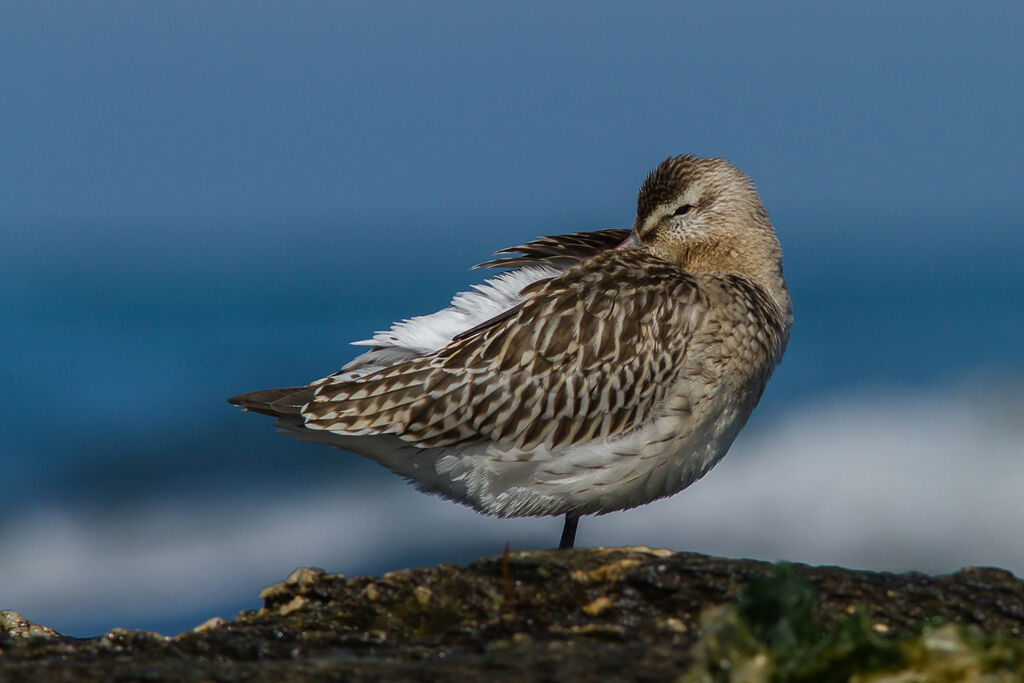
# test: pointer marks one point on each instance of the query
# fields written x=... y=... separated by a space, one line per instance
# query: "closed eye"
x=682 y=210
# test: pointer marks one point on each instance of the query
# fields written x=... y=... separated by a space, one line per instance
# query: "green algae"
x=771 y=634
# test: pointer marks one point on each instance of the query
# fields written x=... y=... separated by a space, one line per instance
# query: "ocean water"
x=891 y=436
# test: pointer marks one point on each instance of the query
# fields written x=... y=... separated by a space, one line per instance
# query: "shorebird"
x=602 y=371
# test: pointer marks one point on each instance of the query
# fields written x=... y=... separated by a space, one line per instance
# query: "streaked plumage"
x=603 y=371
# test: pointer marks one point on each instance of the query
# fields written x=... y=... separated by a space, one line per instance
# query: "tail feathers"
x=274 y=402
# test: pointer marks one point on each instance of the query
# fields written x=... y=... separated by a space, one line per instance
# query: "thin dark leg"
x=569 y=532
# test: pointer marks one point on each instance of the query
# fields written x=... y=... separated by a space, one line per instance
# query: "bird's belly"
x=659 y=459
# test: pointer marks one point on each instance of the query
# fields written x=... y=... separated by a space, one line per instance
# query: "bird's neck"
x=759 y=260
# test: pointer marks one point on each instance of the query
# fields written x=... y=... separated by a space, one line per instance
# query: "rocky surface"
x=601 y=614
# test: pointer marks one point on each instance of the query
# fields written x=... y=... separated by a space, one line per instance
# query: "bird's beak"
x=631 y=242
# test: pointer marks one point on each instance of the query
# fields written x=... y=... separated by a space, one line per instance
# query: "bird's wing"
x=485 y=304
x=591 y=353
x=558 y=251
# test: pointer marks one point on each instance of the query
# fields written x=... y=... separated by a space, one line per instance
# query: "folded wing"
x=588 y=354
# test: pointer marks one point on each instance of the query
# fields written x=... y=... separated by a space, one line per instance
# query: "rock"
x=14 y=626
x=600 y=614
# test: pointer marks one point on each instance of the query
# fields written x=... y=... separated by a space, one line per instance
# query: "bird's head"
x=704 y=215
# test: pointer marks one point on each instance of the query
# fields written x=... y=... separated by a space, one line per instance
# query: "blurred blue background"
x=199 y=199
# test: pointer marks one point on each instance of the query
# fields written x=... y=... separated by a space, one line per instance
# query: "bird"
x=598 y=372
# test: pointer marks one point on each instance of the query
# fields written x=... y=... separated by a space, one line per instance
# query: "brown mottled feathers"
x=590 y=354
x=477 y=329
x=559 y=251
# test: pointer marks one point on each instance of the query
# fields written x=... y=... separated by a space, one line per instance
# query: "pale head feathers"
x=704 y=215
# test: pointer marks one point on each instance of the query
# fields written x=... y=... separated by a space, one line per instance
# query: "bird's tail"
x=274 y=402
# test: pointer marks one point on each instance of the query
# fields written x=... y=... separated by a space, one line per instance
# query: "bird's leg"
x=569 y=532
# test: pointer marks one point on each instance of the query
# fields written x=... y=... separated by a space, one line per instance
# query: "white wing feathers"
x=425 y=334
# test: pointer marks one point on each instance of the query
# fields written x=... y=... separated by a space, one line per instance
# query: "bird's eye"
x=682 y=210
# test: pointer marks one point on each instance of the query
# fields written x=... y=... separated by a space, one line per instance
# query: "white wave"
x=926 y=482
x=899 y=483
